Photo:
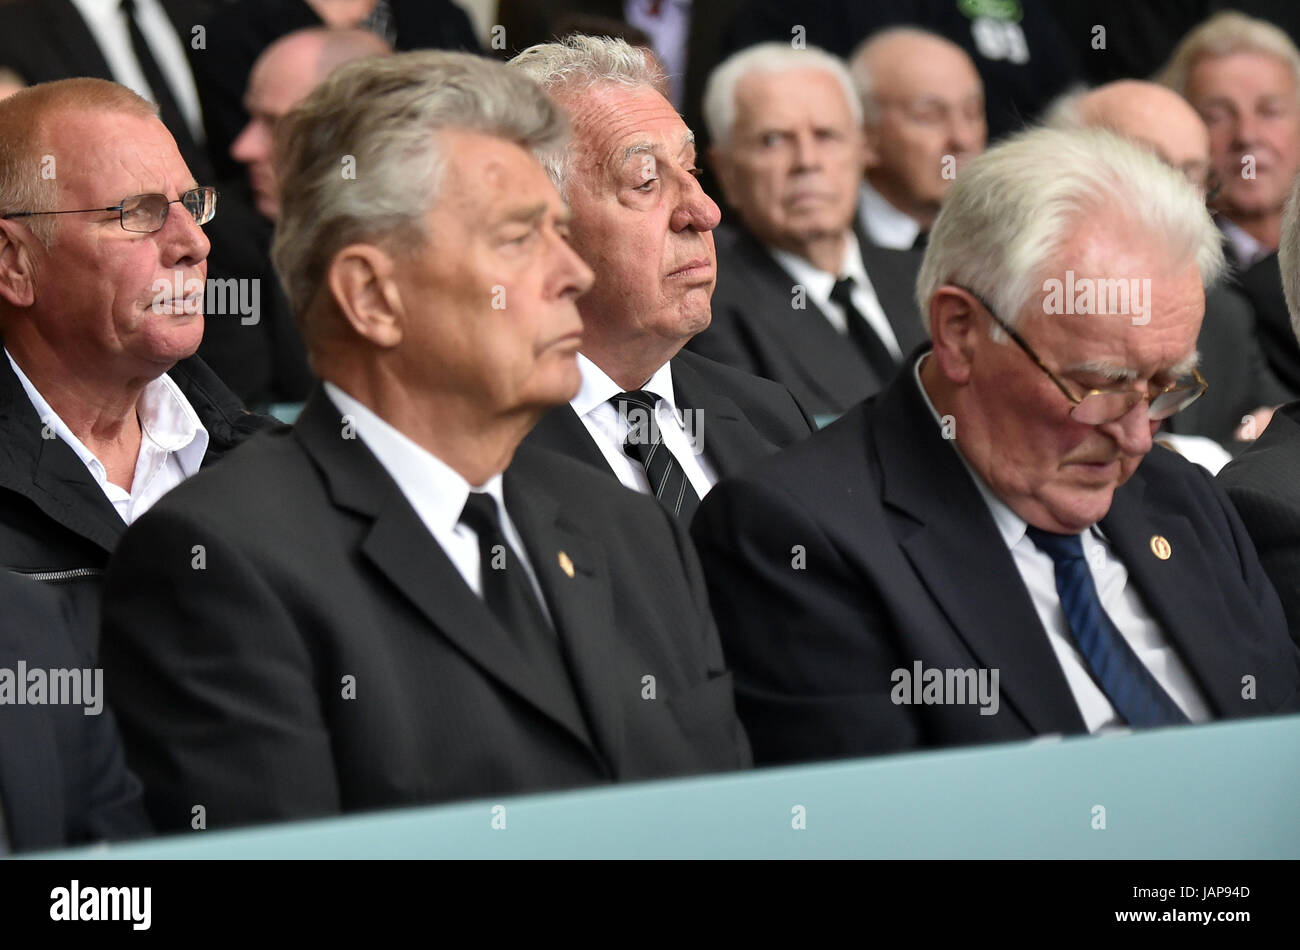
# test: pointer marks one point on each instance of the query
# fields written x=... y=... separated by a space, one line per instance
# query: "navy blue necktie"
x=1125 y=680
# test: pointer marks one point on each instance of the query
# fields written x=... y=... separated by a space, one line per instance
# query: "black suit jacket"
x=755 y=328
x=1234 y=365
x=319 y=574
x=745 y=418
x=56 y=525
x=902 y=561
x=1261 y=284
x=63 y=778
x=1264 y=484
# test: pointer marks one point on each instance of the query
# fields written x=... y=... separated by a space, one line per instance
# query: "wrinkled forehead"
x=108 y=156
x=791 y=93
x=614 y=123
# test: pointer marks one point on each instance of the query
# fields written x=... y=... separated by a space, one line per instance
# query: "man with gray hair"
x=379 y=616
x=1262 y=482
x=997 y=516
x=661 y=420
x=802 y=298
x=1244 y=391
x=923 y=112
x=1243 y=76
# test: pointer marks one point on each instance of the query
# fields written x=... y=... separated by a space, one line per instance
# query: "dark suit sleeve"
x=212 y=681
x=786 y=603
x=715 y=662
x=1273 y=524
x=113 y=797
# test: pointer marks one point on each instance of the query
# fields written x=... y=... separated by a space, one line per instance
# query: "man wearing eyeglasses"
x=102 y=279
x=989 y=549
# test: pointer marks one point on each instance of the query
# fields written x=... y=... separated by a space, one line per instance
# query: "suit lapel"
x=962 y=560
x=68 y=33
x=893 y=277
x=1180 y=591
x=560 y=430
x=828 y=362
x=730 y=440
x=402 y=549
x=581 y=606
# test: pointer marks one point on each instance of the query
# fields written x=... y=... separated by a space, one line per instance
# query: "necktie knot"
x=842 y=292
x=481 y=514
x=642 y=398
x=128 y=7
x=1061 y=548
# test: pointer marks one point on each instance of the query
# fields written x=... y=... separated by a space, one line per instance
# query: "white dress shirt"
x=172 y=444
x=107 y=25
x=1119 y=599
x=610 y=429
x=885 y=224
x=819 y=284
x=435 y=490
x=1245 y=247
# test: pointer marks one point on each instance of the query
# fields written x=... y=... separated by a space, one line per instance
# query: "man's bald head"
x=1153 y=115
x=286 y=72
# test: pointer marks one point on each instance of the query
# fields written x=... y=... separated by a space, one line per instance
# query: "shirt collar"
x=1247 y=249
x=818 y=282
x=597 y=388
x=884 y=223
x=166 y=419
x=435 y=489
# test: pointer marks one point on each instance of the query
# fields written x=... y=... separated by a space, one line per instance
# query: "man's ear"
x=870 y=155
x=17 y=264
x=956 y=324
x=361 y=281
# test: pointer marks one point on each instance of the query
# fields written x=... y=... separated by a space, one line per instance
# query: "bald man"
x=282 y=77
x=1243 y=390
x=923 y=113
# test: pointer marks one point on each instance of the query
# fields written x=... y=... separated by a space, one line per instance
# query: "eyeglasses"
x=144 y=214
x=1100 y=406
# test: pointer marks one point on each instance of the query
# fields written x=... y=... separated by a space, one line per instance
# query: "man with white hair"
x=661 y=420
x=990 y=549
x=1239 y=404
x=923 y=112
x=1243 y=76
x=1262 y=482
x=802 y=299
x=396 y=603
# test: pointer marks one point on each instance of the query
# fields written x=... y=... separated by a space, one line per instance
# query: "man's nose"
x=807 y=152
x=695 y=209
x=1132 y=431
x=182 y=239
x=251 y=144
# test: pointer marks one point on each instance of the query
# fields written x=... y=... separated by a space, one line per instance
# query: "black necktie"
x=168 y=110
x=1127 y=683
x=507 y=591
x=644 y=443
x=922 y=239
x=871 y=347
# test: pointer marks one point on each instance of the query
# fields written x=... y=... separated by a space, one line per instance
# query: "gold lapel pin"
x=566 y=563
x=1160 y=547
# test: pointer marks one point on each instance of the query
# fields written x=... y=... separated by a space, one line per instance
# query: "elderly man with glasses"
x=991 y=549
x=103 y=266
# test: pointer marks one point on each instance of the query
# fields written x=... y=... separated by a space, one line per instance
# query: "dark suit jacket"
x=1262 y=286
x=63 y=778
x=1264 y=484
x=1234 y=365
x=319 y=574
x=745 y=418
x=56 y=524
x=902 y=561
x=756 y=329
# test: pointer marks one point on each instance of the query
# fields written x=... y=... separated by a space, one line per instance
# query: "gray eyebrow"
x=640 y=148
x=1122 y=374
